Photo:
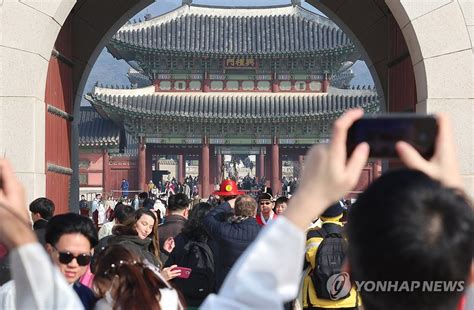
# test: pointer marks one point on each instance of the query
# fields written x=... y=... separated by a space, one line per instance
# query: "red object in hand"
x=185 y=272
x=3 y=251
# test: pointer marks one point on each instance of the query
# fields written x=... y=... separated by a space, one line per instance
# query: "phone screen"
x=382 y=132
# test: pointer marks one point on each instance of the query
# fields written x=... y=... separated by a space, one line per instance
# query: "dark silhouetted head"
x=408 y=227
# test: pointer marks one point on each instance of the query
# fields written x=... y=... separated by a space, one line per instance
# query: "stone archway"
x=440 y=50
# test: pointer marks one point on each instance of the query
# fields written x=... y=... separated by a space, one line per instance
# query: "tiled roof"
x=234 y=31
x=252 y=107
x=138 y=78
x=97 y=131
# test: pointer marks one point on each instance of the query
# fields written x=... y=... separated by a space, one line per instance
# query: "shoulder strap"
x=332 y=229
x=204 y=247
x=315 y=233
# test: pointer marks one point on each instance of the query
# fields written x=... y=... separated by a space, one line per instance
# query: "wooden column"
x=105 y=172
x=325 y=85
x=275 y=166
x=181 y=168
x=275 y=86
x=148 y=166
x=212 y=170
x=206 y=85
x=204 y=164
x=219 y=169
x=141 y=164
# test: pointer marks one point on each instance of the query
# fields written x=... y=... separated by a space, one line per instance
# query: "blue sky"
x=110 y=71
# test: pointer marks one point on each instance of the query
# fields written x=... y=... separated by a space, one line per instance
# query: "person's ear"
x=49 y=248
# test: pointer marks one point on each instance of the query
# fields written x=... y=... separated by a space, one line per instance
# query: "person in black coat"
x=42 y=210
x=176 y=217
x=193 y=231
x=231 y=235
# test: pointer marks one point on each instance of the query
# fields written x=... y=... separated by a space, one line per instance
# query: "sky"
x=109 y=71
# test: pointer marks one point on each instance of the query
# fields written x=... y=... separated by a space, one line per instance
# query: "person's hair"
x=123 y=212
x=245 y=205
x=43 y=206
x=178 y=202
x=193 y=228
x=281 y=200
x=138 y=286
x=131 y=225
x=148 y=203
x=228 y=198
x=70 y=223
x=143 y=195
x=408 y=227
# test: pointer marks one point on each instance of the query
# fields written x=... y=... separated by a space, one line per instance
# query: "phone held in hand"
x=185 y=272
x=3 y=251
x=383 y=131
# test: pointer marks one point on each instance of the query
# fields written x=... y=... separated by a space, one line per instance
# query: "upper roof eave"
x=233 y=31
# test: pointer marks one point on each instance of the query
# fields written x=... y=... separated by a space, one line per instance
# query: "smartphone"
x=383 y=131
x=185 y=272
x=3 y=251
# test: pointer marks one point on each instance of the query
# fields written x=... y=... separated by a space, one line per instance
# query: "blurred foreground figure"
x=123 y=281
x=425 y=236
x=69 y=239
x=38 y=283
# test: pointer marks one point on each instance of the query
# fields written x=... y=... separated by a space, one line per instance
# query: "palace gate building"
x=419 y=54
x=209 y=81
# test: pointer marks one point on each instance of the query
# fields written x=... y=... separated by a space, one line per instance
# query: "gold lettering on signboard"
x=240 y=62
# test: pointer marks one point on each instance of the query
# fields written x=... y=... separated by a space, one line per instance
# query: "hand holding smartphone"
x=185 y=272
x=382 y=132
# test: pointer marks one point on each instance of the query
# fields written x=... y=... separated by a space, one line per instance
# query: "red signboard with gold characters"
x=240 y=63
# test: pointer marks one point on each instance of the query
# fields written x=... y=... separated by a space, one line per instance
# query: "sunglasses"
x=67 y=257
x=265 y=203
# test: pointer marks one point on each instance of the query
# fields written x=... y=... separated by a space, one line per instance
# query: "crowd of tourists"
x=311 y=251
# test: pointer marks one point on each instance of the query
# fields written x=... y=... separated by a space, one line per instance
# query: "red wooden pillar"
x=212 y=171
x=219 y=168
x=275 y=86
x=325 y=85
x=106 y=172
x=148 y=166
x=181 y=168
x=204 y=164
x=275 y=166
x=206 y=86
x=141 y=164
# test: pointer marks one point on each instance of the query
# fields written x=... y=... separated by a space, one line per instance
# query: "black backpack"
x=328 y=260
x=201 y=282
